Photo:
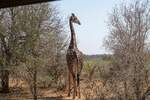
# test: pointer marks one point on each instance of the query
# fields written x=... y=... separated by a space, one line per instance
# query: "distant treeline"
x=98 y=57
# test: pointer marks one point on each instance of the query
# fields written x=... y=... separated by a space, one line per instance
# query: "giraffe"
x=74 y=60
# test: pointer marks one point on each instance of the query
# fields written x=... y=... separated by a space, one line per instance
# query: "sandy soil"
x=21 y=92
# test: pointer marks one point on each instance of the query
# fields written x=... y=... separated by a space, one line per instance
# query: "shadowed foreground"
x=21 y=92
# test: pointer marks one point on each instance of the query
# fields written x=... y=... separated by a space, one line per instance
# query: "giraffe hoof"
x=73 y=98
x=68 y=95
x=79 y=97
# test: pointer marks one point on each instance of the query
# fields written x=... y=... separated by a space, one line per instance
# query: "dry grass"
x=20 y=91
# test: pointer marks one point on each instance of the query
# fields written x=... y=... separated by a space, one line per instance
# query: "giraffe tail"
x=78 y=79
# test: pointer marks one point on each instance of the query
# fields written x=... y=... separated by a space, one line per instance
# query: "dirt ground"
x=21 y=92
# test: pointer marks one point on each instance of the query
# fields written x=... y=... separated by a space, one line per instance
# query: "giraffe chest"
x=72 y=54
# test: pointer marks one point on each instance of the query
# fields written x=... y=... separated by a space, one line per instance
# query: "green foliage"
x=96 y=67
x=88 y=64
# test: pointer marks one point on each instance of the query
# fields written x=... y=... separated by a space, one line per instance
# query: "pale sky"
x=93 y=15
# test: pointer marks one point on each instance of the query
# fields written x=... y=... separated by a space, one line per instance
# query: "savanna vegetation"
x=126 y=76
x=33 y=47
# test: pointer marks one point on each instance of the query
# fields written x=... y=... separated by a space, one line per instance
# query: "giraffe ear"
x=73 y=14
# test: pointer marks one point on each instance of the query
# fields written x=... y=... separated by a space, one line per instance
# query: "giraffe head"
x=74 y=19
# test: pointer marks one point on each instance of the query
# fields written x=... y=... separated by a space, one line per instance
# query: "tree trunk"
x=35 y=84
x=5 y=81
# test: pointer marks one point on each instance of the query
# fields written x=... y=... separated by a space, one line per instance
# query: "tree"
x=42 y=30
x=31 y=37
x=129 y=27
x=8 y=45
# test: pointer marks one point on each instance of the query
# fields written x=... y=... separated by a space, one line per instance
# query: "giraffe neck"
x=73 y=43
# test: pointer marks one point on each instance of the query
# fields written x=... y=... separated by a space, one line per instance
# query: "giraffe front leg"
x=74 y=93
x=69 y=79
x=74 y=86
x=79 y=91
